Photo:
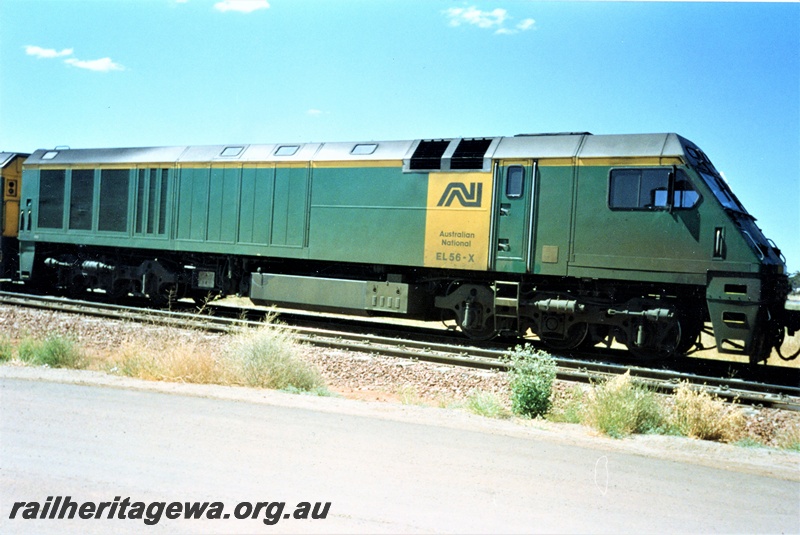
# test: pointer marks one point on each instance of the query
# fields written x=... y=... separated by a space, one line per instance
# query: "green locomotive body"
x=574 y=237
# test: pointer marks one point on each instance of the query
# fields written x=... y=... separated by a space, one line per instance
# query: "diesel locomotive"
x=575 y=238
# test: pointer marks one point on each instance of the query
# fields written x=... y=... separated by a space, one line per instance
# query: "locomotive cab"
x=747 y=288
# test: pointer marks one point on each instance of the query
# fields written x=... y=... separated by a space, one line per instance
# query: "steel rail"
x=750 y=392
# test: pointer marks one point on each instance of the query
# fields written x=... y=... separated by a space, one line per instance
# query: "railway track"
x=444 y=352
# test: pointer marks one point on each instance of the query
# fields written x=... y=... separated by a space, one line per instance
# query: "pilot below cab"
x=10 y=180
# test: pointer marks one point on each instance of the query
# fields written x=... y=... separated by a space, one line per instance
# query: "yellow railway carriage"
x=11 y=181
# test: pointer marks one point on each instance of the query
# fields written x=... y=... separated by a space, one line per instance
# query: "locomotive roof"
x=580 y=145
x=7 y=157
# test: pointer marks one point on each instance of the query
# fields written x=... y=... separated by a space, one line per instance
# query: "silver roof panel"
x=629 y=146
x=106 y=156
x=535 y=147
x=559 y=146
x=384 y=150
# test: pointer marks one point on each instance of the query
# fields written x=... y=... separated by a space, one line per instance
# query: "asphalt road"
x=382 y=468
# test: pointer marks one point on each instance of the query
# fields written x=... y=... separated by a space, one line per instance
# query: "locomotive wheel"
x=691 y=326
x=77 y=288
x=118 y=290
x=772 y=336
x=597 y=334
x=487 y=332
x=164 y=296
x=576 y=335
x=472 y=307
x=661 y=341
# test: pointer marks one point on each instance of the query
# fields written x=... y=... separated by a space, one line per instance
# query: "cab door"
x=513 y=215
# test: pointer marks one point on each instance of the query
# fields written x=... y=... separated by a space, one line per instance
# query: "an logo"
x=469 y=198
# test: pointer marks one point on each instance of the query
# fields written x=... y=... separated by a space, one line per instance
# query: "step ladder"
x=506 y=303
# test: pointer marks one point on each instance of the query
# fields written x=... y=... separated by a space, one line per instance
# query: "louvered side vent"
x=469 y=154
x=429 y=155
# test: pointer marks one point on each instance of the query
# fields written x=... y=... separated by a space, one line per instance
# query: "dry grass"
x=619 y=407
x=408 y=395
x=568 y=405
x=789 y=438
x=698 y=414
x=264 y=358
x=156 y=361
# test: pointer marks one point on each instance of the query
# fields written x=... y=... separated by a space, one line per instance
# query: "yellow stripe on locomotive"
x=458 y=220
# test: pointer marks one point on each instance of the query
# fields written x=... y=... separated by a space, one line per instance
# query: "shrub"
x=532 y=373
x=698 y=414
x=54 y=351
x=619 y=407
x=265 y=357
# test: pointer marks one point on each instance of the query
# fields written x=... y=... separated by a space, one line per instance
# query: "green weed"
x=265 y=358
x=409 y=395
x=531 y=378
x=6 y=349
x=486 y=404
x=54 y=351
x=748 y=442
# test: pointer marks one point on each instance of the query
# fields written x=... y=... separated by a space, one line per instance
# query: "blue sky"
x=92 y=73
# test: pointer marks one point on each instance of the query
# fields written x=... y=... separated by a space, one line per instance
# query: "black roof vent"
x=429 y=155
x=469 y=154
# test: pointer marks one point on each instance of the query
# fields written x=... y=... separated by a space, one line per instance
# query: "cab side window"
x=685 y=196
x=648 y=189
x=515 y=181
